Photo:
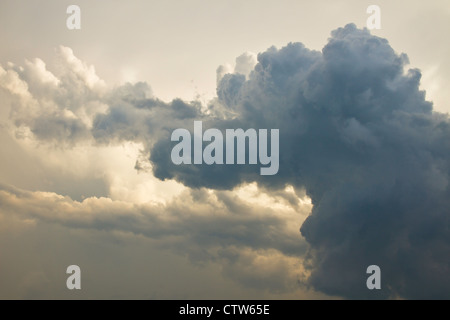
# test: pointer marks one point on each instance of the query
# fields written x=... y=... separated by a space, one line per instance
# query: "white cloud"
x=85 y=72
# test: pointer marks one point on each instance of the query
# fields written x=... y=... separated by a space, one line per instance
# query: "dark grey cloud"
x=134 y=114
x=358 y=134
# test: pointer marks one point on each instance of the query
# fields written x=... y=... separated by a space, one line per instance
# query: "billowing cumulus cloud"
x=54 y=107
x=358 y=134
x=355 y=132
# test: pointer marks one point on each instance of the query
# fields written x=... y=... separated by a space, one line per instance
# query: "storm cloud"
x=356 y=133
x=359 y=135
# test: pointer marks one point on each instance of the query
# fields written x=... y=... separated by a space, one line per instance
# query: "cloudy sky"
x=86 y=176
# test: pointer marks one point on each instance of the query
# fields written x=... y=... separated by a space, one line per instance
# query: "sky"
x=86 y=177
